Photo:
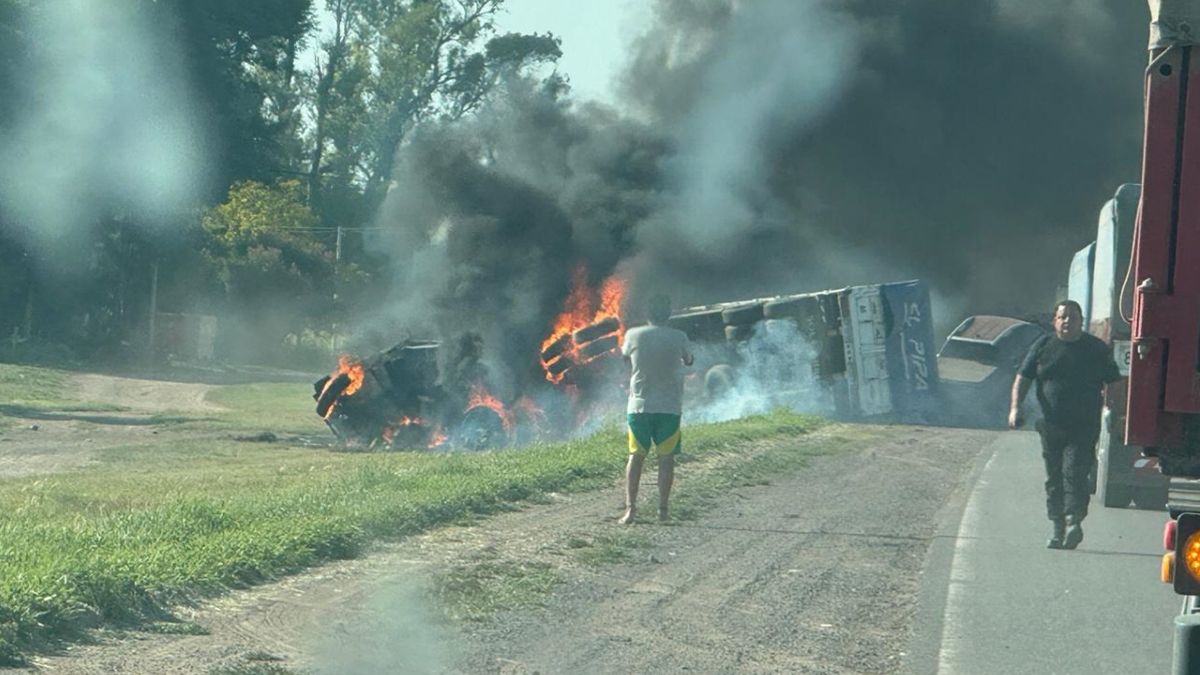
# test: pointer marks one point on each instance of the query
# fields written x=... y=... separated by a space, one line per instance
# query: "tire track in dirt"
x=789 y=587
x=143 y=395
x=50 y=441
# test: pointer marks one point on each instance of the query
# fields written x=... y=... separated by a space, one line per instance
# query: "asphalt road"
x=995 y=600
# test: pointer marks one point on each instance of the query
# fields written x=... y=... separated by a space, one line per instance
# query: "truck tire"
x=556 y=348
x=559 y=366
x=596 y=330
x=595 y=348
x=719 y=380
x=319 y=386
x=744 y=315
x=481 y=429
x=331 y=393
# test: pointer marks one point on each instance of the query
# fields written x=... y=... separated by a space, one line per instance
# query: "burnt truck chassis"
x=400 y=404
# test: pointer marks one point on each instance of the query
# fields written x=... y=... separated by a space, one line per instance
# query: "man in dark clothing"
x=1071 y=368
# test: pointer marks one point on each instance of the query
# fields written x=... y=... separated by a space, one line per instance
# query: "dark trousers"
x=1069 y=457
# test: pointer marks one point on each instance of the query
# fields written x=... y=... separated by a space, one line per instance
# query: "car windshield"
x=970 y=350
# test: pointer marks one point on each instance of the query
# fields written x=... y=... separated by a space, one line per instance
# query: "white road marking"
x=962 y=573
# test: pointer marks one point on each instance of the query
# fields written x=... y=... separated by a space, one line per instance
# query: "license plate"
x=1121 y=352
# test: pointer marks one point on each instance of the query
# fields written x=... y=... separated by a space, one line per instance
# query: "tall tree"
x=274 y=272
x=391 y=64
x=16 y=272
x=243 y=60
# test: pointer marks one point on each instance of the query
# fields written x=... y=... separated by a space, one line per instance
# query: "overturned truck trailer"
x=870 y=348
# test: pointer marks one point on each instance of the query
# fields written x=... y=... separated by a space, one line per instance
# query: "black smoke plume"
x=781 y=146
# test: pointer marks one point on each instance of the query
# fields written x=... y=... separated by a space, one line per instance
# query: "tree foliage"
x=391 y=64
x=243 y=62
x=261 y=247
x=305 y=102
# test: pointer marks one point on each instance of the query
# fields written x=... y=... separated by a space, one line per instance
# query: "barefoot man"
x=657 y=354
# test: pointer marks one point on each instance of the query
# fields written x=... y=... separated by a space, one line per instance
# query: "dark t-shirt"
x=1070 y=380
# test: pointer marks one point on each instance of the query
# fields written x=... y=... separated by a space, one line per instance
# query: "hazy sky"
x=596 y=35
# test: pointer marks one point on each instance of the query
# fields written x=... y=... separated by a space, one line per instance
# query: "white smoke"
x=779 y=63
x=775 y=368
x=393 y=631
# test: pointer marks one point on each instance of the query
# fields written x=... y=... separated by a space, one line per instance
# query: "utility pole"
x=337 y=265
x=153 y=309
x=28 y=323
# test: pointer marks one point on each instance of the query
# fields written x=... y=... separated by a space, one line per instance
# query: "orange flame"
x=353 y=368
x=579 y=311
x=612 y=294
x=439 y=437
x=480 y=397
x=576 y=311
x=532 y=414
x=389 y=432
x=529 y=407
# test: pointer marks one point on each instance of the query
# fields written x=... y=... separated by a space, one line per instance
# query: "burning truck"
x=864 y=352
x=399 y=398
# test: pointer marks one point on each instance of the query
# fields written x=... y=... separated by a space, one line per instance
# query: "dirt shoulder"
x=143 y=395
x=816 y=572
x=37 y=442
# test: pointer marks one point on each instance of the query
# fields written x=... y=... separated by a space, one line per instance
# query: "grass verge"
x=155 y=525
x=486 y=584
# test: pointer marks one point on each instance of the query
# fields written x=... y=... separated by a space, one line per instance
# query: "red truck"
x=1163 y=411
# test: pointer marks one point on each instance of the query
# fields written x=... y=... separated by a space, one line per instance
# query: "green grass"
x=608 y=548
x=730 y=471
x=479 y=587
x=282 y=408
x=175 y=628
x=156 y=524
x=254 y=668
x=289 y=407
x=20 y=384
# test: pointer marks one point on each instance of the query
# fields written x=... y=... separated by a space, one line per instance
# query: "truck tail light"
x=1169 y=531
x=1186 y=562
x=1168 y=567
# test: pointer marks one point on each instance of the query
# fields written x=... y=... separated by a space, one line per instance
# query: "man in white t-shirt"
x=657 y=354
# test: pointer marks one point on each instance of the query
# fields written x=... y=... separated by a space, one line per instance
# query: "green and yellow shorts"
x=658 y=429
